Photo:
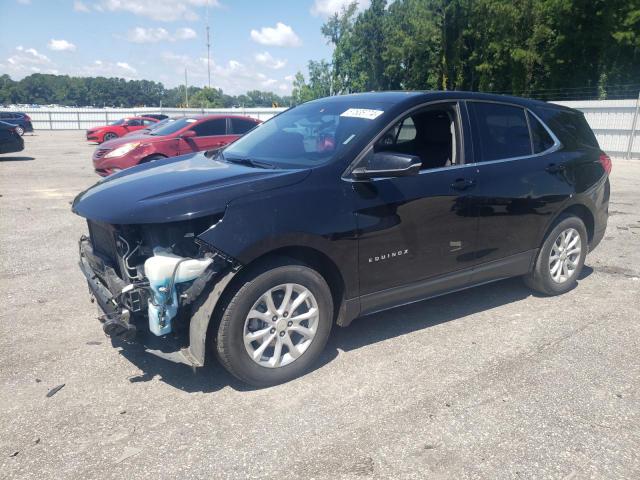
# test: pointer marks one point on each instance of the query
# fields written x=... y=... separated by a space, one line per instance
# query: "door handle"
x=555 y=168
x=462 y=184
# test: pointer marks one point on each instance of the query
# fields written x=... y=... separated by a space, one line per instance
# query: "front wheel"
x=109 y=136
x=275 y=325
x=561 y=258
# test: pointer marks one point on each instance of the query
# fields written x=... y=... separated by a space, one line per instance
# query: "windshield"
x=309 y=135
x=160 y=124
x=172 y=127
x=118 y=122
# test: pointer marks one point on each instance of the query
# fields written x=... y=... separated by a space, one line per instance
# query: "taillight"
x=605 y=161
x=27 y=117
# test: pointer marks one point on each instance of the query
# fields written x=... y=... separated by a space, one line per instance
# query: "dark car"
x=22 y=121
x=10 y=140
x=157 y=116
x=339 y=208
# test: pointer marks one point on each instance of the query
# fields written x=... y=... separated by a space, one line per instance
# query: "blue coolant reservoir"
x=159 y=270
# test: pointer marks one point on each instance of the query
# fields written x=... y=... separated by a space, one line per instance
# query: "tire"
x=108 y=136
x=19 y=130
x=235 y=351
x=548 y=276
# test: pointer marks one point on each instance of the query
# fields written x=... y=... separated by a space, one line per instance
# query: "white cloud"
x=25 y=61
x=267 y=60
x=28 y=55
x=80 y=6
x=147 y=35
x=60 y=45
x=154 y=35
x=161 y=10
x=126 y=66
x=24 y=2
x=185 y=34
x=280 y=36
x=290 y=78
x=101 y=68
x=325 y=8
x=233 y=77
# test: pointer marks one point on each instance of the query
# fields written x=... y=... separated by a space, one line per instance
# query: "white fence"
x=46 y=118
x=616 y=123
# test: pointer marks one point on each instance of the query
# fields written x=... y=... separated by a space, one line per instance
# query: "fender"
x=267 y=221
x=595 y=199
x=201 y=317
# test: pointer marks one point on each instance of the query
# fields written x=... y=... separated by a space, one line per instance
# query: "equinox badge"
x=387 y=256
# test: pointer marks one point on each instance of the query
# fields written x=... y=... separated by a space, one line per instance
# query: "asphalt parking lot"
x=493 y=382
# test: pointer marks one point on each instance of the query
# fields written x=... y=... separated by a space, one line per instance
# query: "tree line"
x=45 y=89
x=546 y=49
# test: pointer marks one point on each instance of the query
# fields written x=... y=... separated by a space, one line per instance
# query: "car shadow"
x=16 y=159
x=148 y=355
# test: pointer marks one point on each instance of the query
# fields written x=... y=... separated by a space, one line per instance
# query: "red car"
x=118 y=128
x=178 y=137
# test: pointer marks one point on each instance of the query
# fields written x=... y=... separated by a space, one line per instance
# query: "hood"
x=175 y=189
x=127 y=138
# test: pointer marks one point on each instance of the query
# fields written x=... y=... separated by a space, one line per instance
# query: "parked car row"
x=135 y=140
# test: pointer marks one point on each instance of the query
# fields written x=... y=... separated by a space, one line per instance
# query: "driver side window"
x=431 y=134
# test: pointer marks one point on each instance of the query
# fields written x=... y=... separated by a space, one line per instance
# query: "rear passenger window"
x=541 y=139
x=241 y=126
x=501 y=130
x=212 y=127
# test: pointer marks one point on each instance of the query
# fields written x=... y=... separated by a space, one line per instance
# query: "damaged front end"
x=153 y=276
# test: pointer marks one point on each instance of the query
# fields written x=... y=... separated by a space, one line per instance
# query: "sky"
x=255 y=44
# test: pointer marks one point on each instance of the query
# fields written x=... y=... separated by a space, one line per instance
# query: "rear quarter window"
x=540 y=138
x=240 y=126
x=569 y=126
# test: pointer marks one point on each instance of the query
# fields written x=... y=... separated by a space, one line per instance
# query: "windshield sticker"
x=362 y=113
x=349 y=139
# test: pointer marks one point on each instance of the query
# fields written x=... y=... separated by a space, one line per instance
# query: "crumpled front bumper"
x=119 y=300
x=107 y=289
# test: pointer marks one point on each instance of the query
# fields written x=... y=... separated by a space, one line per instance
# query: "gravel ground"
x=493 y=382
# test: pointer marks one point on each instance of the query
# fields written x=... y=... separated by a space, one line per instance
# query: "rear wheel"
x=19 y=130
x=275 y=325
x=561 y=258
x=109 y=136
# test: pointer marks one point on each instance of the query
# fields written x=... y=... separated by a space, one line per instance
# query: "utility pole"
x=208 y=49
x=186 y=88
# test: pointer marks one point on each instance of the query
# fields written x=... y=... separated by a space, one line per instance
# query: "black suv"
x=339 y=208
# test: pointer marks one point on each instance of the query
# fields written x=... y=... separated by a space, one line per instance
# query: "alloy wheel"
x=565 y=255
x=281 y=325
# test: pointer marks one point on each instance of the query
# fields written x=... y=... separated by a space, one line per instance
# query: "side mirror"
x=388 y=164
x=188 y=134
